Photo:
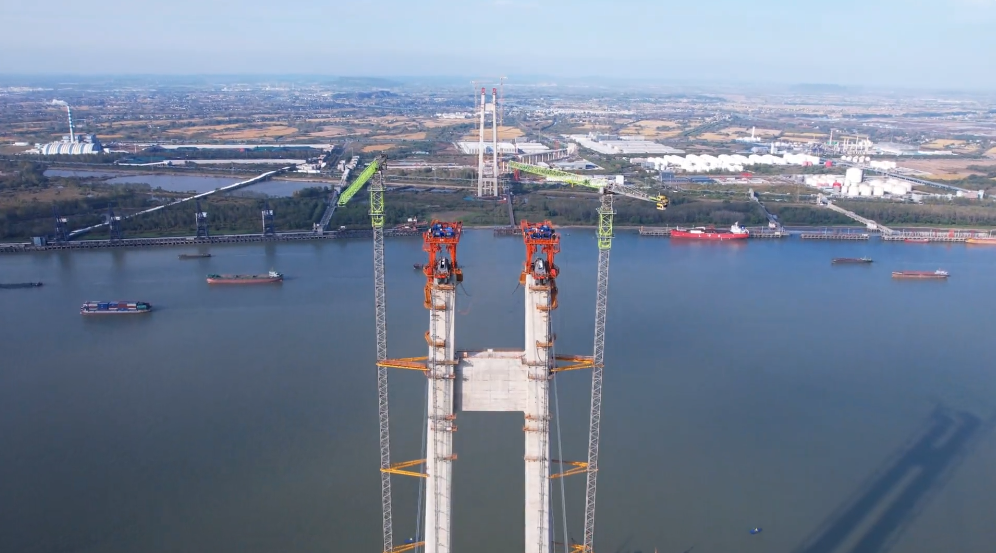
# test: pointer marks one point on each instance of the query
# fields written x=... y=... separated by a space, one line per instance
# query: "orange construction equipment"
x=440 y=236
x=544 y=238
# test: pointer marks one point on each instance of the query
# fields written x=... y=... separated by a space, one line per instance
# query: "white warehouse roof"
x=472 y=148
x=622 y=145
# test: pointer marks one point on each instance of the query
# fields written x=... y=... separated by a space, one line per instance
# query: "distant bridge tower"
x=61 y=226
x=113 y=224
x=202 y=222
x=267 y=219
x=487 y=172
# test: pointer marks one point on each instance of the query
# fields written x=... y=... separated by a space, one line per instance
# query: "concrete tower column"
x=538 y=357
x=441 y=365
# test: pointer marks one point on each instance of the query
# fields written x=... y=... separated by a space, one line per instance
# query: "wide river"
x=746 y=385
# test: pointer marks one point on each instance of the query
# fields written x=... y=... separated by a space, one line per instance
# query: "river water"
x=746 y=385
x=191 y=183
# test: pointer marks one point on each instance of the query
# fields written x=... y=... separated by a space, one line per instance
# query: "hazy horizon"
x=911 y=44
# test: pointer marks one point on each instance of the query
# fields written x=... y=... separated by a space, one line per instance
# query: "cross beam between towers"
x=487 y=381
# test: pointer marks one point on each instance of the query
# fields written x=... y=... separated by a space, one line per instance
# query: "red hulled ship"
x=736 y=232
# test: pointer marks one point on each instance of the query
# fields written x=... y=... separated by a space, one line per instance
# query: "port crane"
x=607 y=189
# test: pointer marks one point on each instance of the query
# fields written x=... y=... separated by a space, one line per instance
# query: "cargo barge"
x=268 y=278
x=850 y=260
x=193 y=255
x=115 y=307
x=917 y=240
x=736 y=232
x=13 y=285
x=982 y=241
x=938 y=274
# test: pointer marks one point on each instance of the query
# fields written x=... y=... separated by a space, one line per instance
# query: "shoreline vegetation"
x=28 y=197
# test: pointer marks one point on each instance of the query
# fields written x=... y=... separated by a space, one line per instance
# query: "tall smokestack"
x=72 y=135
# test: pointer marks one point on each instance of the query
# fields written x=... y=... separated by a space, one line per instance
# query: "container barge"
x=268 y=278
x=938 y=274
x=115 y=307
x=193 y=255
x=850 y=260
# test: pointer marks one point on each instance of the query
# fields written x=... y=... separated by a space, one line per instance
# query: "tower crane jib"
x=361 y=180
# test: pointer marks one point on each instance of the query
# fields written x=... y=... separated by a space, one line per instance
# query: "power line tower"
x=61 y=226
x=202 y=222
x=113 y=224
x=267 y=219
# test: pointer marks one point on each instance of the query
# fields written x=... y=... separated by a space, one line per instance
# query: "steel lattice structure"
x=605 y=214
x=380 y=316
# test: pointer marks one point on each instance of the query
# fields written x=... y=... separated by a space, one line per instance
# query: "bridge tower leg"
x=442 y=275
x=539 y=344
x=539 y=279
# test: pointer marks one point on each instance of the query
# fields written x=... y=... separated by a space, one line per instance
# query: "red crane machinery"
x=442 y=236
x=540 y=237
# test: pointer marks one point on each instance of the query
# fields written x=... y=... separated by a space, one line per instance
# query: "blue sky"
x=902 y=43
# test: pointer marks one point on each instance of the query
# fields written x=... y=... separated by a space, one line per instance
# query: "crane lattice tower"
x=267 y=219
x=202 y=222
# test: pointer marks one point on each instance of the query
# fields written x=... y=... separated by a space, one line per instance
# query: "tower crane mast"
x=607 y=189
x=380 y=317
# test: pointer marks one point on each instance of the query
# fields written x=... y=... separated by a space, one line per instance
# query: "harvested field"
x=504 y=133
x=249 y=134
x=17 y=197
x=941 y=144
x=652 y=128
x=991 y=152
x=407 y=136
x=329 y=132
x=207 y=128
x=745 y=132
x=377 y=147
x=436 y=123
x=717 y=137
x=949 y=169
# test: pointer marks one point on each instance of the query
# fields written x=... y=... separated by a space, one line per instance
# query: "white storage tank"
x=853 y=175
x=864 y=190
x=878 y=191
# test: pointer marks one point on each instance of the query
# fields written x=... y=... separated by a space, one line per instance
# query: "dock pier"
x=835 y=236
x=25 y=247
x=938 y=236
